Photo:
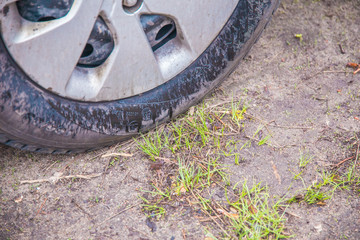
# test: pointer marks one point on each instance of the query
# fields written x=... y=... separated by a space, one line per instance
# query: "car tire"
x=35 y=119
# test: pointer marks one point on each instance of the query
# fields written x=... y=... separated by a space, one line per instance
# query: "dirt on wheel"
x=271 y=154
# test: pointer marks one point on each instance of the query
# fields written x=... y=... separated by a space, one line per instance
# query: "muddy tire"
x=37 y=119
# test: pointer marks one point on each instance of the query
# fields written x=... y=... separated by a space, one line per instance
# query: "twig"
x=335 y=72
x=207 y=219
x=341 y=49
x=341 y=162
x=224 y=102
x=42 y=205
x=116 y=214
x=56 y=178
x=289 y=127
x=225 y=125
x=117 y=154
x=47 y=168
x=127 y=173
x=81 y=208
x=213 y=219
x=223 y=134
x=292 y=214
x=352 y=157
x=224 y=212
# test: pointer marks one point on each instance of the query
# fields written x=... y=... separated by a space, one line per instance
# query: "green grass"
x=160 y=194
x=152 y=143
x=320 y=191
x=237 y=112
x=195 y=146
x=189 y=177
x=152 y=210
x=305 y=159
x=194 y=176
x=264 y=140
x=315 y=195
x=254 y=216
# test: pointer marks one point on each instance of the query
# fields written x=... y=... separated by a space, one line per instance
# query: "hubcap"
x=92 y=50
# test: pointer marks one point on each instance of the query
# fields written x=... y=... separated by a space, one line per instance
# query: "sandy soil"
x=299 y=87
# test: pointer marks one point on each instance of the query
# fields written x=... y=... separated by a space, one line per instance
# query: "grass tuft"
x=256 y=217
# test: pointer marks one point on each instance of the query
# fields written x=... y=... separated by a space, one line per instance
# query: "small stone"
x=318 y=228
x=150 y=224
x=18 y=199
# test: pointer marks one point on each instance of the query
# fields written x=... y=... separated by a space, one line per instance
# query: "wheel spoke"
x=198 y=20
x=49 y=51
x=132 y=67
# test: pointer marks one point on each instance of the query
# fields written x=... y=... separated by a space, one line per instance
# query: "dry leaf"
x=277 y=175
x=352 y=65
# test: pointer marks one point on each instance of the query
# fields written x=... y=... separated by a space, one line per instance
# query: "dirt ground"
x=296 y=85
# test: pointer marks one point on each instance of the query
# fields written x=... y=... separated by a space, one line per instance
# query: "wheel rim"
x=93 y=50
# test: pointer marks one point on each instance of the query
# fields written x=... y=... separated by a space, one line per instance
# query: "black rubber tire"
x=34 y=119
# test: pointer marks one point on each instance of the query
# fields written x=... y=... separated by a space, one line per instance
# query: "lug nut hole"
x=88 y=50
x=165 y=30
